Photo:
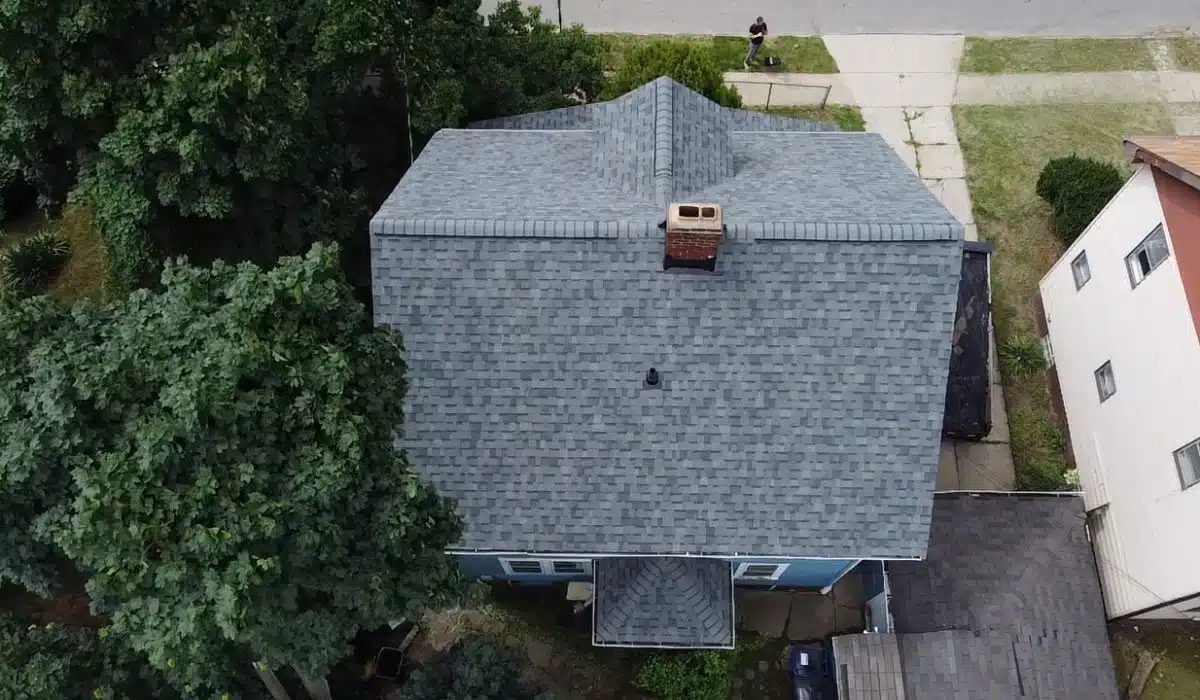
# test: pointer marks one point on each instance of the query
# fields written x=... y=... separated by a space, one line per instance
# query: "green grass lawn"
x=84 y=273
x=1177 y=644
x=800 y=54
x=847 y=117
x=1187 y=53
x=1005 y=148
x=1028 y=55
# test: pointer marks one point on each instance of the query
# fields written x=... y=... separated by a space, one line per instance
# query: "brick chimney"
x=693 y=236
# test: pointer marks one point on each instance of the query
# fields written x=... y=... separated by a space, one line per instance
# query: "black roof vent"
x=652 y=377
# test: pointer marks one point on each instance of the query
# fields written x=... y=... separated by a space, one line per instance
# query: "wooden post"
x=269 y=679
x=317 y=689
x=1141 y=674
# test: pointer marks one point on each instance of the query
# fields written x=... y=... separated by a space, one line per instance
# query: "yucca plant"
x=1023 y=356
x=30 y=265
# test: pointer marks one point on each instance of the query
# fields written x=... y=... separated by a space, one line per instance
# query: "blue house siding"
x=800 y=573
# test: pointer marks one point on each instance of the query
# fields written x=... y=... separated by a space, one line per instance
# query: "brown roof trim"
x=1151 y=153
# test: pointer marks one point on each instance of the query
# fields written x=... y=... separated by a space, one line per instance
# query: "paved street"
x=971 y=17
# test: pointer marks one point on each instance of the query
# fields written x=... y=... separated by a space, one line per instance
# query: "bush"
x=1039 y=475
x=686 y=62
x=687 y=675
x=475 y=669
x=29 y=266
x=1077 y=189
x=1022 y=356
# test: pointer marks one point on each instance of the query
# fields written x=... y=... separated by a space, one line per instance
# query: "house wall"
x=1181 y=208
x=1124 y=446
x=1188 y=609
x=876 y=593
x=800 y=573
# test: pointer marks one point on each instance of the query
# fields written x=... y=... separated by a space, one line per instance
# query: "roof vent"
x=693 y=237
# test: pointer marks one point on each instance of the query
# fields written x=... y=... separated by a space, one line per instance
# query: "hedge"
x=1077 y=189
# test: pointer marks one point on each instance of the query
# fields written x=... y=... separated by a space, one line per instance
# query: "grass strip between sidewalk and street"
x=1037 y=55
x=800 y=54
x=1005 y=148
x=847 y=117
x=1186 y=51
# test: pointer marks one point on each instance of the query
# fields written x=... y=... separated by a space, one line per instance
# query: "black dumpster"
x=968 y=390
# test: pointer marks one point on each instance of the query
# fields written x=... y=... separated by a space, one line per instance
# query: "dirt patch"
x=1176 y=643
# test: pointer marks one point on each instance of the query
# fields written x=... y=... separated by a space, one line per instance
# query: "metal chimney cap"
x=652 y=377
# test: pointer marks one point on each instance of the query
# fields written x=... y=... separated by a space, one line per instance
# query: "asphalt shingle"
x=803 y=384
x=663 y=601
x=1007 y=604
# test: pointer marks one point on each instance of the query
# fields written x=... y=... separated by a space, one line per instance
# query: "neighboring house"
x=751 y=392
x=1121 y=312
x=1006 y=605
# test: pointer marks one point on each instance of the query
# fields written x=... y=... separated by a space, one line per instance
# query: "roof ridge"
x=664 y=141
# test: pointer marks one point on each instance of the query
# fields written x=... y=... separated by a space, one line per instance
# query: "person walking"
x=758 y=32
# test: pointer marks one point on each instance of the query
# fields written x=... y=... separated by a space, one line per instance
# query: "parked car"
x=812 y=672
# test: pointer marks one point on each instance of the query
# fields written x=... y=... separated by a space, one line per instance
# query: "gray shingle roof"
x=1007 y=605
x=803 y=384
x=663 y=601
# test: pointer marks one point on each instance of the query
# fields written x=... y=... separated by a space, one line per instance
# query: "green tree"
x=33 y=474
x=686 y=62
x=475 y=669
x=246 y=131
x=49 y=662
x=237 y=492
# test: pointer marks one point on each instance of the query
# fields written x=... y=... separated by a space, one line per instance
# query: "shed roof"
x=1006 y=605
x=803 y=384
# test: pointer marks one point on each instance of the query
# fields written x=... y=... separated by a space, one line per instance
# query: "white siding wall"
x=1146 y=544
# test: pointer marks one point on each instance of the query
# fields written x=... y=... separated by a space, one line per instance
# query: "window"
x=1048 y=351
x=521 y=566
x=569 y=568
x=1187 y=461
x=1149 y=254
x=1080 y=270
x=760 y=572
x=547 y=567
x=1105 y=382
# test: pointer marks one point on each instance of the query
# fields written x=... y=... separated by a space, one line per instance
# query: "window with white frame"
x=760 y=572
x=1147 y=256
x=546 y=567
x=1187 y=461
x=1080 y=270
x=1048 y=350
x=1106 y=383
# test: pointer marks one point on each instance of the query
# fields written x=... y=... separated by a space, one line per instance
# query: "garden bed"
x=1005 y=148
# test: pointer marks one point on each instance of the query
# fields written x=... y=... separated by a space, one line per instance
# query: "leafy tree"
x=686 y=62
x=474 y=669
x=33 y=479
x=246 y=130
x=237 y=493
x=48 y=662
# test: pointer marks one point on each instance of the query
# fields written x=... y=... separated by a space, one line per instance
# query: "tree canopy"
x=686 y=62
x=234 y=488
x=247 y=131
x=49 y=662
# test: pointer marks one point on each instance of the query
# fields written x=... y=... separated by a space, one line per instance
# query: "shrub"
x=1038 y=475
x=687 y=675
x=29 y=266
x=476 y=669
x=1022 y=356
x=686 y=62
x=1077 y=189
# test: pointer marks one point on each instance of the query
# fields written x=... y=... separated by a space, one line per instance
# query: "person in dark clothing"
x=758 y=32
